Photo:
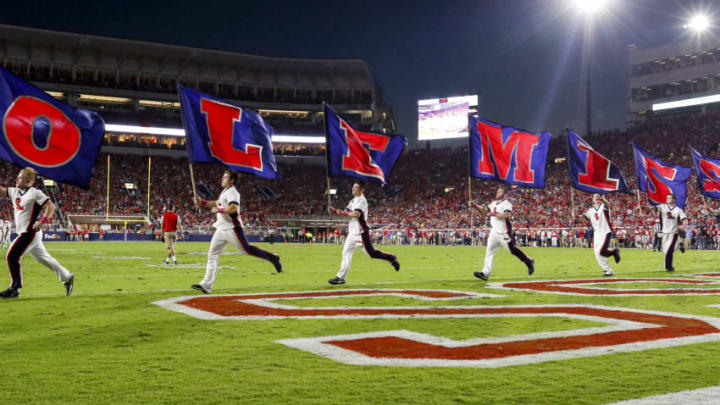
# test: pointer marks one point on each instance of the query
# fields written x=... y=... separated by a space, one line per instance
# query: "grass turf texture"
x=108 y=344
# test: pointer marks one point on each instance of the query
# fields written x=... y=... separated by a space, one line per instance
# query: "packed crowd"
x=427 y=192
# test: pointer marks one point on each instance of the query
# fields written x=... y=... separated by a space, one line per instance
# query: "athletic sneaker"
x=69 y=285
x=396 y=265
x=166 y=261
x=531 y=266
x=336 y=281
x=670 y=270
x=277 y=264
x=175 y=262
x=200 y=288
x=616 y=255
x=608 y=274
x=481 y=275
x=9 y=293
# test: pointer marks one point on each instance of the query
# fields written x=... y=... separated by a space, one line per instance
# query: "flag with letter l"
x=59 y=141
x=364 y=155
x=590 y=171
x=217 y=131
x=506 y=154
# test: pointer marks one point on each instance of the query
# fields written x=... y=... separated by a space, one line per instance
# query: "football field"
x=134 y=332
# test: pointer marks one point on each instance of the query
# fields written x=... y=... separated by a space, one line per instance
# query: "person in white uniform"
x=358 y=234
x=6 y=230
x=599 y=217
x=32 y=209
x=228 y=229
x=672 y=221
x=501 y=234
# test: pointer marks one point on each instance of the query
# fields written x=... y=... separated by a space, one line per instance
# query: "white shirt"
x=600 y=220
x=670 y=217
x=357 y=203
x=228 y=196
x=498 y=225
x=26 y=205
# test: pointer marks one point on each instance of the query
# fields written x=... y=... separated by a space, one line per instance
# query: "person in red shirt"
x=170 y=226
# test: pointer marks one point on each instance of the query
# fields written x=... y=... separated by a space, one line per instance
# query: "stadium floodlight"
x=591 y=7
x=698 y=23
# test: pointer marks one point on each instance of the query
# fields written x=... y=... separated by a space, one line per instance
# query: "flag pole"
x=470 y=201
x=148 y=197
x=328 y=192
x=192 y=180
x=107 y=194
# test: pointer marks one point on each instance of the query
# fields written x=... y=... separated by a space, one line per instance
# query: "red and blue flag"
x=217 y=131
x=659 y=179
x=707 y=171
x=507 y=154
x=590 y=171
x=59 y=141
x=364 y=155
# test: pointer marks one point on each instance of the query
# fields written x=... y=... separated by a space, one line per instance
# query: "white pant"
x=37 y=250
x=351 y=242
x=668 y=242
x=495 y=242
x=219 y=240
x=598 y=242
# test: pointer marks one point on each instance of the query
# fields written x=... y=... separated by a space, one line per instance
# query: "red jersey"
x=170 y=220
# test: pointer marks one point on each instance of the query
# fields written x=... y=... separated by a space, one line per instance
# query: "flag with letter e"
x=506 y=154
x=217 y=131
x=659 y=179
x=707 y=172
x=361 y=154
x=591 y=171
x=59 y=141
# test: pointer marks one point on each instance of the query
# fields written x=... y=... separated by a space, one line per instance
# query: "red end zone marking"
x=628 y=330
x=668 y=327
x=706 y=275
x=570 y=287
x=254 y=305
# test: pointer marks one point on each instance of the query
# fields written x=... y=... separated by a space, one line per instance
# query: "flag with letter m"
x=506 y=154
x=659 y=179
x=217 y=131
x=364 y=155
x=707 y=172
x=590 y=171
x=59 y=141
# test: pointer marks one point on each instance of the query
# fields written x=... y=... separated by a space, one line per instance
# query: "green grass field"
x=108 y=343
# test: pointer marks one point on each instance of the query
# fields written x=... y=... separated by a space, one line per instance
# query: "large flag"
x=659 y=179
x=590 y=171
x=361 y=154
x=708 y=174
x=38 y=131
x=217 y=131
x=504 y=153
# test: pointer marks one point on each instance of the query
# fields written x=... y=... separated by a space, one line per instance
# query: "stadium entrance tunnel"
x=625 y=330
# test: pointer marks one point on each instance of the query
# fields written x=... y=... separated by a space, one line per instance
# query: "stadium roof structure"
x=38 y=46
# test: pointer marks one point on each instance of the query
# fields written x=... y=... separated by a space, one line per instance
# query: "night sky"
x=525 y=57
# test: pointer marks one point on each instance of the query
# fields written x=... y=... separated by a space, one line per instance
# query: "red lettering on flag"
x=358 y=157
x=712 y=171
x=221 y=120
x=597 y=170
x=661 y=191
x=518 y=146
x=63 y=141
